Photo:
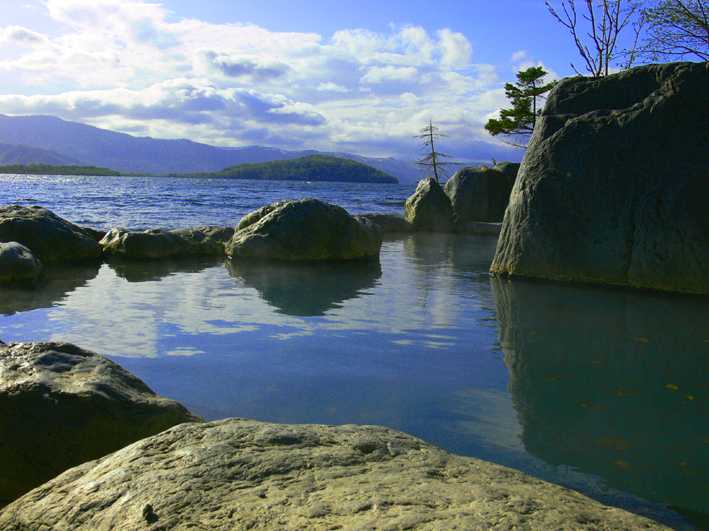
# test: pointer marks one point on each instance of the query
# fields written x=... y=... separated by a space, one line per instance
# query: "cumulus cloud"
x=134 y=66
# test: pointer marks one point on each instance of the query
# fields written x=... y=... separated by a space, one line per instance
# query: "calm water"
x=605 y=391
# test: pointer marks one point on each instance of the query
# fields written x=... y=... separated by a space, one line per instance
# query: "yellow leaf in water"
x=689 y=397
x=641 y=339
x=672 y=387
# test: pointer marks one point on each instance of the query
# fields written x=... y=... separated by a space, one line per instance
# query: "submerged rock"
x=17 y=264
x=161 y=244
x=305 y=230
x=49 y=237
x=429 y=208
x=614 y=185
x=481 y=194
x=240 y=474
x=61 y=406
x=388 y=223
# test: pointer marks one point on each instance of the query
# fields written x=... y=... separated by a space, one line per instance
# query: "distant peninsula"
x=309 y=168
x=50 y=169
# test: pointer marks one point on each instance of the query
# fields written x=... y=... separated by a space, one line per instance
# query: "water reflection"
x=58 y=282
x=613 y=383
x=151 y=270
x=306 y=289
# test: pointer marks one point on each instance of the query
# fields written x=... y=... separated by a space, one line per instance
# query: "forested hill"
x=310 y=168
x=49 y=169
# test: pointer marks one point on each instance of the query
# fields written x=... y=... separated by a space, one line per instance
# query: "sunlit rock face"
x=612 y=383
x=240 y=474
x=304 y=230
x=429 y=208
x=49 y=237
x=61 y=406
x=614 y=185
x=161 y=244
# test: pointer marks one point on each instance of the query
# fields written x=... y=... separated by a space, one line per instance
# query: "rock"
x=50 y=238
x=388 y=223
x=508 y=169
x=241 y=474
x=61 y=406
x=305 y=230
x=614 y=186
x=18 y=264
x=481 y=194
x=96 y=234
x=429 y=209
x=161 y=244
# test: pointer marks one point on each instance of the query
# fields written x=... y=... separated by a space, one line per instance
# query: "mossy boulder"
x=18 y=265
x=429 y=208
x=158 y=244
x=241 y=474
x=388 y=223
x=304 y=230
x=614 y=186
x=49 y=237
x=481 y=194
x=61 y=406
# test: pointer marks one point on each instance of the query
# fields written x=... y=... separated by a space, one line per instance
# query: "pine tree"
x=433 y=159
x=517 y=122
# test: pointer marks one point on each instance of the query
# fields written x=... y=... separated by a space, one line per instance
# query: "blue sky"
x=359 y=76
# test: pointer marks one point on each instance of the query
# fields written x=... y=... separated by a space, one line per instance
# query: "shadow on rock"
x=57 y=283
x=151 y=270
x=612 y=383
x=306 y=289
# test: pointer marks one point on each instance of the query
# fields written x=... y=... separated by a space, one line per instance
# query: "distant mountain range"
x=51 y=140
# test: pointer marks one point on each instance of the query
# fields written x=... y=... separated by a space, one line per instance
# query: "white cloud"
x=134 y=66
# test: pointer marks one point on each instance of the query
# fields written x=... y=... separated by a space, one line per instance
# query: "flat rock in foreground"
x=61 y=406
x=305 y=230
x=238 y=474
x=49 y=237
x=614 y=186
x=159 y=244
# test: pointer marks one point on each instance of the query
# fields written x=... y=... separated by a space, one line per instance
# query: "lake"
x=602 y=390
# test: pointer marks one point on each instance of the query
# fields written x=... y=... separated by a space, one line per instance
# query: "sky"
x=338 y=75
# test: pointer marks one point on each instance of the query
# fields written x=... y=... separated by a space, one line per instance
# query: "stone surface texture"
x=158 y=244
x=429 y=208
x=18 y=264
x=481 y=194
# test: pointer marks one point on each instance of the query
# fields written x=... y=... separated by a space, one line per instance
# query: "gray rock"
x=51 y=238
x=388 y=223
x=61 y=406
x=429 y=208
x=481 y=194
x=305 y=230
x=160 y=244
x=240 y=474
x=18 y=264
x=614 y=186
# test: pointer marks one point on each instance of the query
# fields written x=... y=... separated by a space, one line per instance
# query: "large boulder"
x=61 y=406
x=240 y=474
x=162 y=244
x=18 y=264
x=305 y=230
x=429 y=208
x=615 y=183
x=51 y=238
x=481 y=194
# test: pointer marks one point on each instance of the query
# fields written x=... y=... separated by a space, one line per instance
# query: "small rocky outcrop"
x=49 y=237
x=61 y=406
x=429 y=208
x=240 y=474
x=481 y=194
x=305 y=230
x=614 y=185
x=388 y=223
x=161 y=244
x=18 y=265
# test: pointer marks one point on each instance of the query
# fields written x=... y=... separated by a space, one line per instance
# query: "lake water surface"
x=602 y=390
